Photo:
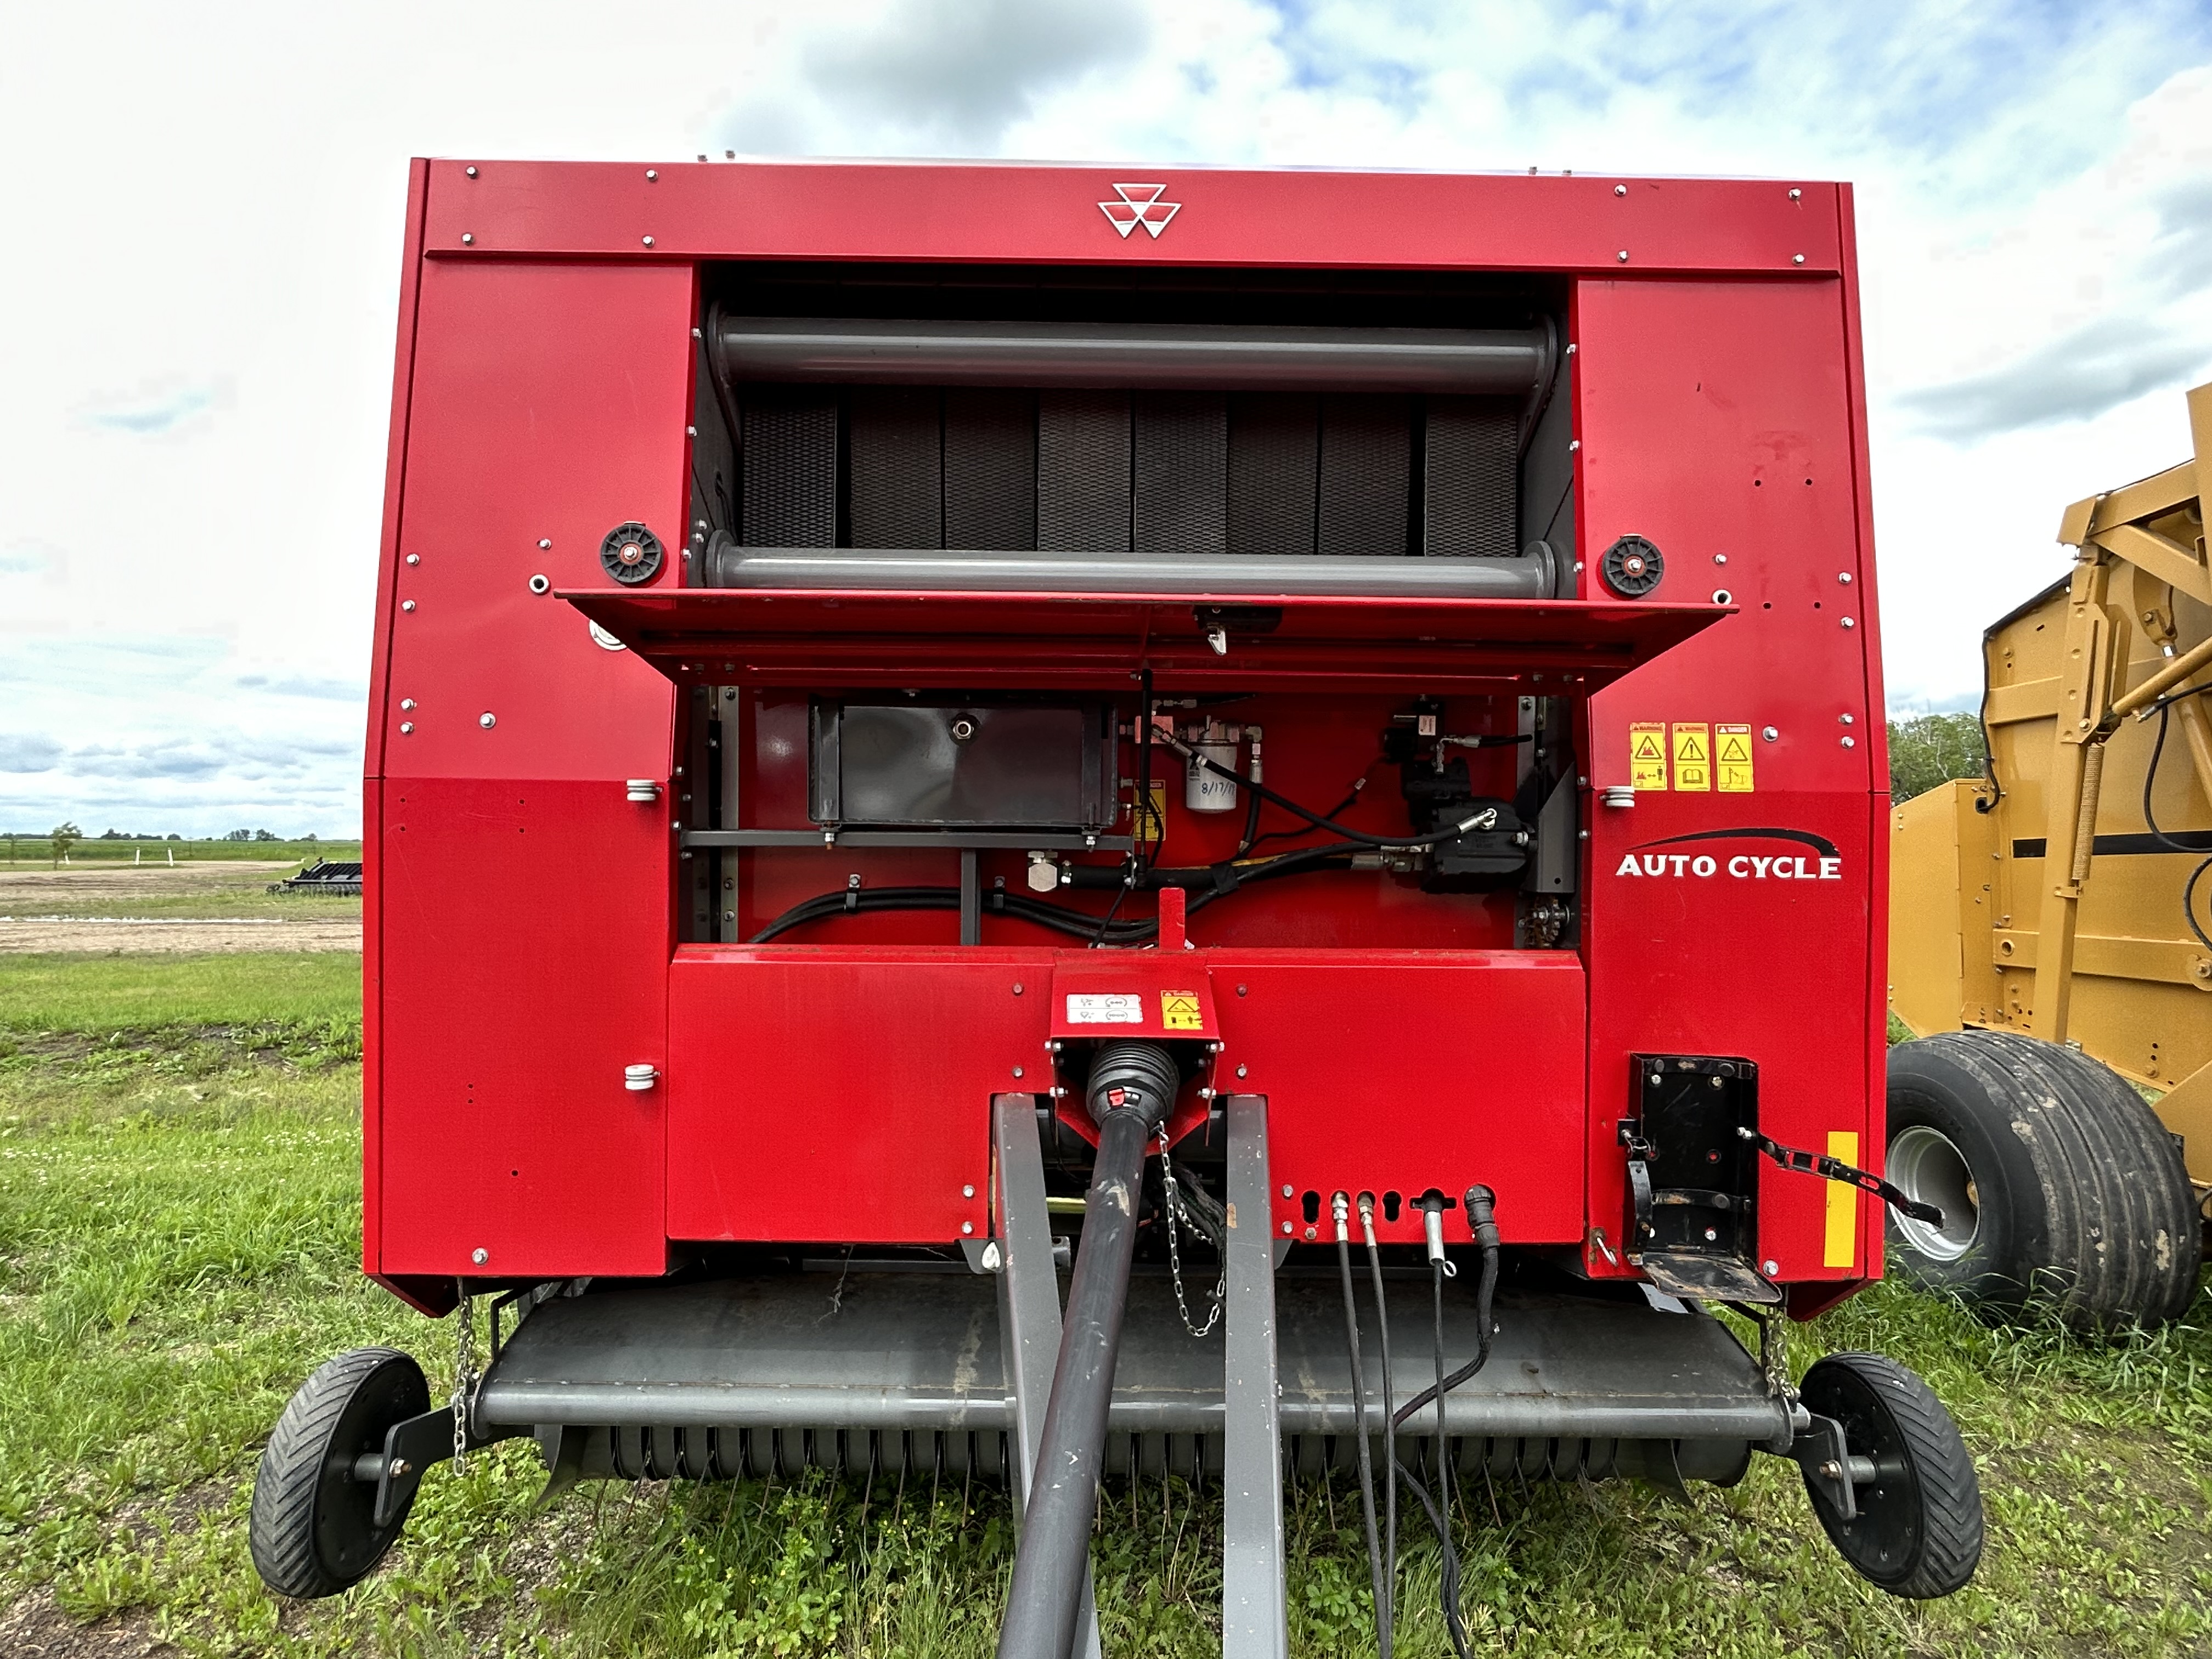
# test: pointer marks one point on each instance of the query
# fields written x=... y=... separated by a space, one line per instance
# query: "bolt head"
x=1796 y=195
x=407 y=702
x=414 y=558
x=1286 y=1230
x=1620 y=189
x=1771 y=734
x=1240 y=1071
x=1720 y=558
x=1850 y=743
x=467 y=239
x=406 y=728
x=471 y=172
x=1017 y=1071
x=647 y=240
x=1018 y=988
x=479 y=1255
x=1797 y=258
x=406 y=604
x=1771 y=1267
x=1288 y=1190
x=1623 y=256
x=487 y=720
x=1849 y=622
x=650 y=175
x=967 y=1191
x=967 y=1226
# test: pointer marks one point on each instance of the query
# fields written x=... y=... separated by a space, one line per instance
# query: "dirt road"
x=212 y=906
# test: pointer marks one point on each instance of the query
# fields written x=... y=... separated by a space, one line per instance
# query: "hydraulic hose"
x=1389 y=1423
x=1132 y=1086
x=1481 y=1217
x=1394 y=843
x=1340 y=1207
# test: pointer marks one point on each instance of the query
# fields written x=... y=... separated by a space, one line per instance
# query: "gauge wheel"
x=1918 y=1530
x=312 y=1529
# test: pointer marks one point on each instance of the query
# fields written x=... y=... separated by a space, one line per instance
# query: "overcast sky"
x=204 y=211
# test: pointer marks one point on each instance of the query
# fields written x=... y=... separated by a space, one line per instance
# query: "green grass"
x=179 y=1235
x=100 y=995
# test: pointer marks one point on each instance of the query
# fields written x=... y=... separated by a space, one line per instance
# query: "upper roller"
x=1485 y=362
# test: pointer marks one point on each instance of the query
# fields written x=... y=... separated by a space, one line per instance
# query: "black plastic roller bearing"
x=1632 y=567
x=631 y=554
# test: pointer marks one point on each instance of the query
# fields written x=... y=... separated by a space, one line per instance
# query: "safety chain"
x=1175 y=1254
x=464 y=1379
x=1774 y=1356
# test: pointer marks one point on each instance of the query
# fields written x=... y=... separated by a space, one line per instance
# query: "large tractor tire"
x=2062 y=1193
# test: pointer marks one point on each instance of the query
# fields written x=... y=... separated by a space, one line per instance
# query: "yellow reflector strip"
x=1842 y=1246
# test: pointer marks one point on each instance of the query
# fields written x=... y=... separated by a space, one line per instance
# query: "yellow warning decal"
x=1732 y=759
x=1840 y=1247
x=1647 y=753
x=1693 y=755
x=1179 y=1012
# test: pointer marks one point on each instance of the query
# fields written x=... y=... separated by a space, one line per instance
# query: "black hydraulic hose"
x=1396 y=843
x=1339 y=1206
x=1133 y=1085
x=1207 y=886
x=1481 y=1203
x=2150 y=780
x=1389 y=1413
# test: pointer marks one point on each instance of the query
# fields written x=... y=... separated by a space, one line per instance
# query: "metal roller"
x=1529 y=576
x=1490 y=363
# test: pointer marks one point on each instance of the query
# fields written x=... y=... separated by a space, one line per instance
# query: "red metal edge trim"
x=373 y=752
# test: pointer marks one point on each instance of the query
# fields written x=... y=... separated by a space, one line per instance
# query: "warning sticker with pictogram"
x=1179 y=1012
x=1647 y=753
x=1732 y=759
x=1693 y=755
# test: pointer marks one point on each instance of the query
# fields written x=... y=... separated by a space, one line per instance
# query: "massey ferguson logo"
x=1685 y=857
x=1139 y=204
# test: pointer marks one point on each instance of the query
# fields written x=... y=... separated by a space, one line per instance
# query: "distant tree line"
x=1928 y=750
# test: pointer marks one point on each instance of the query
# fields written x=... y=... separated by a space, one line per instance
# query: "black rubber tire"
x=1919 y=1532
x=313 y=1528
x=2085 y=1210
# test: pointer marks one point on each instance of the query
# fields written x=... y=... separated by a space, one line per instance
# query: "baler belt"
x=1275 y=460
x=990 y=468
x=1366 y=461
x=1083 y=472
x=1467 y=473
x=789 y=465
x=897 y=487
x=1179 y=471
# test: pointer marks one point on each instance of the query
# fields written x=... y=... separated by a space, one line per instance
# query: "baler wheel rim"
x=1919 y=1532
x=312 y=1528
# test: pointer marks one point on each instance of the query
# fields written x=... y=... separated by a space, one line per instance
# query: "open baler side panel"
x=538 y=931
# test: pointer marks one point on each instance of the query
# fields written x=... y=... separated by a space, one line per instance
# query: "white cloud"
x=197 y=313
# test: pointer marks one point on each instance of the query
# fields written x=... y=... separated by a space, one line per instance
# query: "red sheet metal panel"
x=1398 y=1071
x=1060 y=214
x=1719 y=420
x=844 y=1095
x=521 y=918
x=526 y=967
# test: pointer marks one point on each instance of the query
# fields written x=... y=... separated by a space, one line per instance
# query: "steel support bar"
x=1029 y=1304
x=1254 y=1614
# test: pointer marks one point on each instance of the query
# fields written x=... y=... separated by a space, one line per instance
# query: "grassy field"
x=179 y=1230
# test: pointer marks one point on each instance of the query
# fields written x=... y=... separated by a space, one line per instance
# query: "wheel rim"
x=1883 y=1540
x=1929 y=1168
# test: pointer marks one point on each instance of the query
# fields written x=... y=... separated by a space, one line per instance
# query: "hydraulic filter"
x=1205 y=791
